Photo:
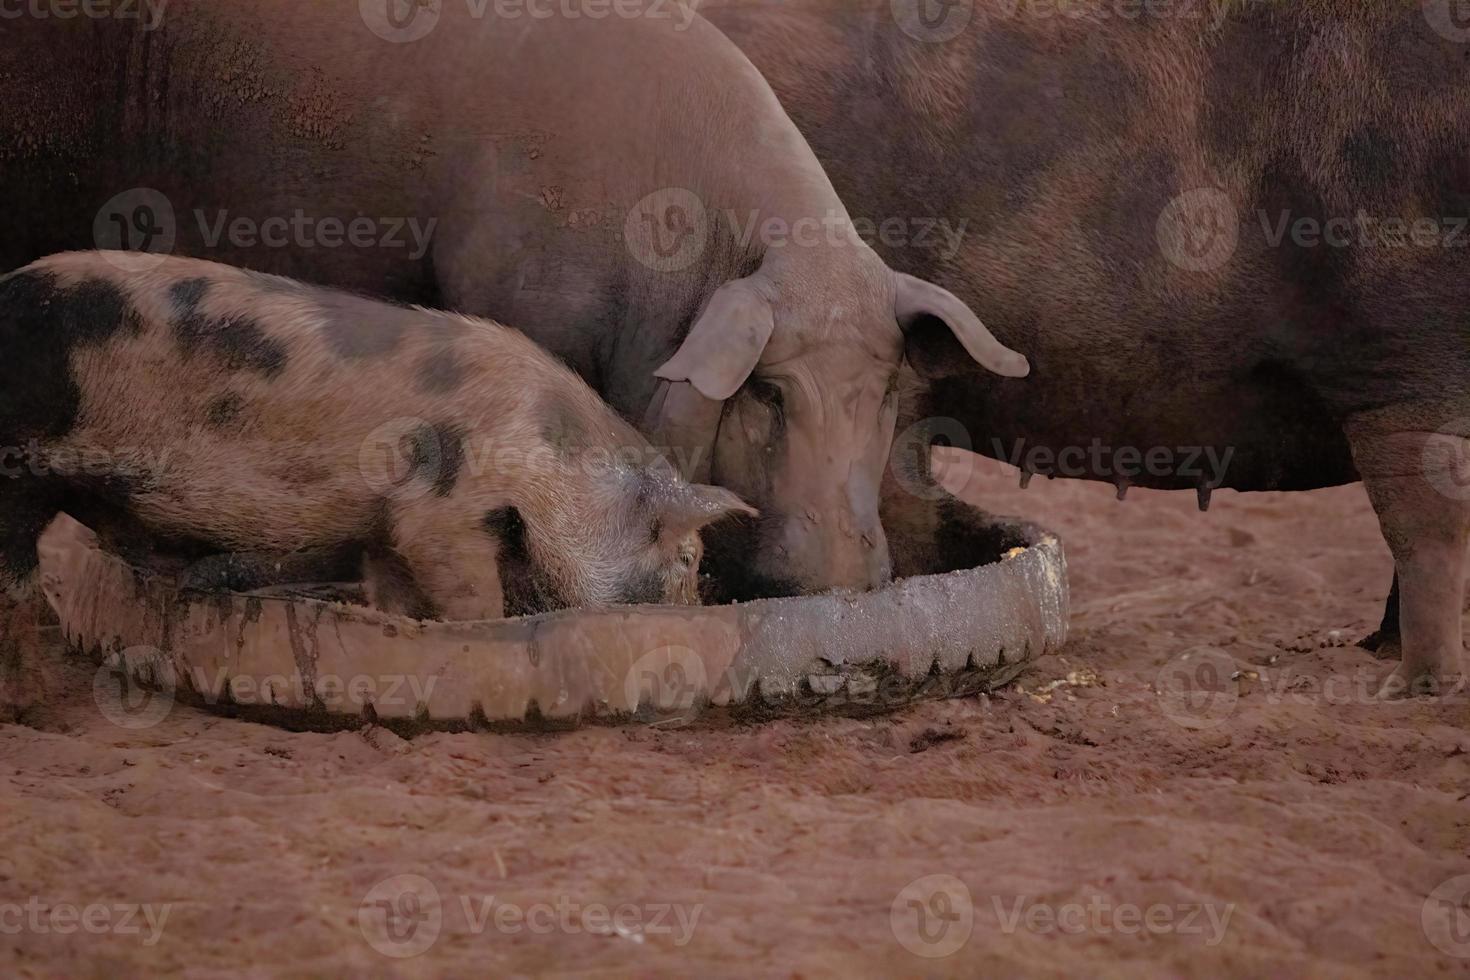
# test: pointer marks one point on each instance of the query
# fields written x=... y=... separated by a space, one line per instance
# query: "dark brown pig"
x=1231 y=236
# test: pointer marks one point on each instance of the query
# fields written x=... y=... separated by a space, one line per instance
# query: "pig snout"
x=835 y=550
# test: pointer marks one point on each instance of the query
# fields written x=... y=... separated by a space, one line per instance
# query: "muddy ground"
x=1199 y=785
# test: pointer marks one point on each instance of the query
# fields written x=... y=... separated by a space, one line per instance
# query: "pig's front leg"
x=1417 y=482
x=452 y=556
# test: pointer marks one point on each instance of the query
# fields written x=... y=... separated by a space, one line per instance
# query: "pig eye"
x=768 y=394
x=687 y=557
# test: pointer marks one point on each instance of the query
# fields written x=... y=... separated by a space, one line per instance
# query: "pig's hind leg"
x=25 y=511
x=1417 y=482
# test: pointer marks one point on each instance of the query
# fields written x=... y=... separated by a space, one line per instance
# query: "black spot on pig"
x=440 y=372
x=563 y=429
x=187 y=294
x=436 y=454
x=237 y=341
x=41 y=323
x=1370 y=154
x=526 y=591
x=25 y=511
x=506 y=526
x=223 y=411
x=1033 y=106
x=243 y=345
x=356 y=328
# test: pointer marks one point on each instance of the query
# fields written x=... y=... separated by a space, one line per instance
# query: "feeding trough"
x=305 y=658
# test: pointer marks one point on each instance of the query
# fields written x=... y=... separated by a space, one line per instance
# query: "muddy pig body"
x=254 y=413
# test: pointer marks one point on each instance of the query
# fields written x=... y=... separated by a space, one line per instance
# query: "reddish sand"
x=1177 y=819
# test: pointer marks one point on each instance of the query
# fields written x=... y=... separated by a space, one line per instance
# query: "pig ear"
x=697 y=505
x=917 y=302
x=726 y=341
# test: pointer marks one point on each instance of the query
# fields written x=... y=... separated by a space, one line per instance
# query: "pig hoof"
x=1383 y=646
x=1406 y=682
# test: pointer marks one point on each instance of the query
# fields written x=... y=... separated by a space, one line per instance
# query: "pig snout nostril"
x=868 y=542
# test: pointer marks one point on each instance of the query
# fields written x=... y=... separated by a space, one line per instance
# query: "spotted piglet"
x=251 y=413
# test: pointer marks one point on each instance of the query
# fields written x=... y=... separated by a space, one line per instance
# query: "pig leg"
x=1385 y=640
x=451 y=556
x=25 y=676
x=1428 y=531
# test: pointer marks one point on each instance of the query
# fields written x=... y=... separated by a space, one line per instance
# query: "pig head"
x=785 y=391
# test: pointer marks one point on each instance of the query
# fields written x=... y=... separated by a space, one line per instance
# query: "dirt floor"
x=1200 y=785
